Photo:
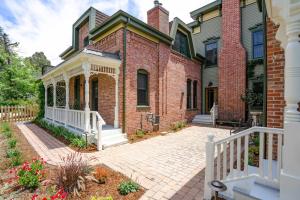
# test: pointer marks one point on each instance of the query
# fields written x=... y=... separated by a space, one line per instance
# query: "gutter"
x=124 y=75
x=264 y=13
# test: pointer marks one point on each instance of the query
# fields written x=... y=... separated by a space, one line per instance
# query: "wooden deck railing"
x=18 y=113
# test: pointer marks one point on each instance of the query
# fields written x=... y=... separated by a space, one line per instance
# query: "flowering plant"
x=60 y=195
x=30 y=174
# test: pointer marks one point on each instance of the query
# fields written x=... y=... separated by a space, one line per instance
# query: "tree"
x=38 y=60
x=6 y=45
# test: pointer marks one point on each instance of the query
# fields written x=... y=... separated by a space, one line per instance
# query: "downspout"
x=124 y=75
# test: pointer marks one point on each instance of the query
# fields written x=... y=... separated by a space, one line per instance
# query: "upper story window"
x=86 y=41
x=142 y=88
x=181 y=44
x=257 y=44
x=211 y=54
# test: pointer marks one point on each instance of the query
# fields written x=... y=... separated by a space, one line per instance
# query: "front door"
x=95 y=95
x=211 y=97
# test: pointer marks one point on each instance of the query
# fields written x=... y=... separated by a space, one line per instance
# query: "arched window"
x=188 y=94
x=142 y=88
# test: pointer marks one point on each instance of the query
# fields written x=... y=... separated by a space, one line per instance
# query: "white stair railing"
x=96 y=125
x=214 y=113
x=236 y=144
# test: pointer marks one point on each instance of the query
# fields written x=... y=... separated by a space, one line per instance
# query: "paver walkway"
x=169 y=167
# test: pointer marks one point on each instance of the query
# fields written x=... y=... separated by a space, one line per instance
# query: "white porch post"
x=66 y=78
x=87 y=68
x=290 y=174
x=287 y=15
x=116 y=122
x=46 y=99
x=54 y=99
x=209 y=172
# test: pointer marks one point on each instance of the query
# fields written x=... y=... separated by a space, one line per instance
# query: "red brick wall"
x=158 y=17
x=168 y=72
x=232 y=64
x=83 y=32
x=275 y=78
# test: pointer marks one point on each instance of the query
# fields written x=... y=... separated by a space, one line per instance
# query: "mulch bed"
x=91 y=148
x=110 y=188
x=133 y=138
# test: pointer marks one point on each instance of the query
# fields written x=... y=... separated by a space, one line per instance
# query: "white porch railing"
x=214 y=113
x=76 y=119
x=238 y=144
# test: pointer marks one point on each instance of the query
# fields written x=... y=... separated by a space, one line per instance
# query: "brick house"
x=122 y=74
x=238 y=42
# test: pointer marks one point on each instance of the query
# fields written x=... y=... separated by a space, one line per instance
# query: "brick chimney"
x=158 y=17
x=232 y=64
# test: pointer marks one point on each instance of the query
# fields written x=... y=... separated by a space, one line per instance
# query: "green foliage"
x=38 y=60
x=59 y=131
x=140 y=133
x=5 y=130
x=101 y=198
x=178 y=125
x=16 y=161
x=252 y=98
x=127 y=187
x=41 y=99
x=12 y=143
x=10 y=153
x=30 y=174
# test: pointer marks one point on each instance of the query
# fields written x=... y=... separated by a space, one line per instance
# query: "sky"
x=46 y=25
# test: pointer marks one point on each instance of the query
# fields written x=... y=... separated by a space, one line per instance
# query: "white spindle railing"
x=76 y=119
x=214 y=113
x=238 y=145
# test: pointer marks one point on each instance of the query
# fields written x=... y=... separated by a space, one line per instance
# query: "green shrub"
x=7 y=134
x=10 y=153
x=128 y=187
x=140 y=133
x=78 y=142
x=5 y=127
x=12 y=143
x=16 y=161
x=178 y=125
x=60 y=131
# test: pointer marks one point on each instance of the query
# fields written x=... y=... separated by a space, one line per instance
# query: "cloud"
x=46 y=25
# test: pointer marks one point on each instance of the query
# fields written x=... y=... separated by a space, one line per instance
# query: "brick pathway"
x=169 y=167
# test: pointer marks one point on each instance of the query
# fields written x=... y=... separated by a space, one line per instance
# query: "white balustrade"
x=238 y=147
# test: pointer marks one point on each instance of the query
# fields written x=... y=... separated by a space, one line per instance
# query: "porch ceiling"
x=100 y=62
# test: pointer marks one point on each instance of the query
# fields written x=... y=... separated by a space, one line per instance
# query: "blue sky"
x=46 y=25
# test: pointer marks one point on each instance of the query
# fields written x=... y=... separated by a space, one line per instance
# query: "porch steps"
x=202 y=119
x=251 y=187
x=112 y=137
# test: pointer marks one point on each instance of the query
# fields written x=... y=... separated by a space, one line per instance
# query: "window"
x=257 y=44
x=50 y=96
x=188 y=94
x=77 y=93
x=86 y=41
x=181 y=44
x=195 y=94
x=211 y=54
x=142 y=88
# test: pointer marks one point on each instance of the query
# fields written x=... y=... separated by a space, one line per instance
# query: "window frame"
x=256 y=45
x=189 y=94
x=195 y=94
x=217 y=46
x=145 y=73
x=179 y=48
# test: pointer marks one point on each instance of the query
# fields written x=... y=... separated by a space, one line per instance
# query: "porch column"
x=54 y=99
x=46 y=99
x=67 y=79
x=87 y=68
x=290 y=174
x=116 y=122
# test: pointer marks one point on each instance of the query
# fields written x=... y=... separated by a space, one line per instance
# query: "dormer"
x=81 y=28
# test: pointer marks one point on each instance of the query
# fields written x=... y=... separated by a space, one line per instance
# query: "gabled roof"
x=207 y=8
x=123 y=17
x=179 y=24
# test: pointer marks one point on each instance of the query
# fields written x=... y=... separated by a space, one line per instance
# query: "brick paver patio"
x=169 y=167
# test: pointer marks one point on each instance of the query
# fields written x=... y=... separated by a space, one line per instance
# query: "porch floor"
x=169 y=167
